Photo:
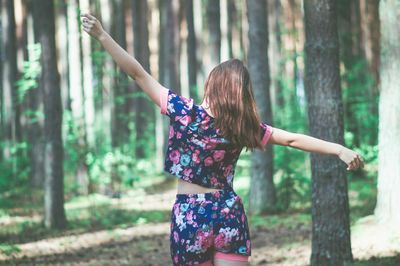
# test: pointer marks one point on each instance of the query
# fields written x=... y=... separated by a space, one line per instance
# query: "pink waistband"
x=231 y=256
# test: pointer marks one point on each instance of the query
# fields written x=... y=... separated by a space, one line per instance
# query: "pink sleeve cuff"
x=267 y=135
x=163 y=101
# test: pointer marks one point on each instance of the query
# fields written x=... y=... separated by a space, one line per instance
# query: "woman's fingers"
x=361 y=161
x=91 y=17
x=356 y=163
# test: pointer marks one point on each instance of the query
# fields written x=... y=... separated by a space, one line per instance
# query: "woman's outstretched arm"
x=311 y=144
x=125 y=61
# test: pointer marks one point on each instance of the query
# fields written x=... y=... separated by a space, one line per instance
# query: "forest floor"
x=133 y=230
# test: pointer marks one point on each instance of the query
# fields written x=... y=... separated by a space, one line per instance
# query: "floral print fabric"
x=202 y=224
x=196 y=152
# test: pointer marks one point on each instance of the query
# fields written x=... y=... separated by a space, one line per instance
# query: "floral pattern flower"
x=202 y=223
x=199 y=154
x=192 y=131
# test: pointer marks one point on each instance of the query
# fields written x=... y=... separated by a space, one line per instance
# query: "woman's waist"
x=185 y=187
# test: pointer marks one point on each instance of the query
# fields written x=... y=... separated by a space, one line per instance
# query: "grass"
x=386 y=261
x=81 y=221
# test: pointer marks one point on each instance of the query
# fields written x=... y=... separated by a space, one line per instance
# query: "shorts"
x=202 y=224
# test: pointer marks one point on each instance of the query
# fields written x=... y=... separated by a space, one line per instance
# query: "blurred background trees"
x=114 y=138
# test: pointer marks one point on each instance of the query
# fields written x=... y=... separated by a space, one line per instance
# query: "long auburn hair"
x=229 y=94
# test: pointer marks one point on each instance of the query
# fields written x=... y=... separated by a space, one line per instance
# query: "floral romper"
x=202 y=224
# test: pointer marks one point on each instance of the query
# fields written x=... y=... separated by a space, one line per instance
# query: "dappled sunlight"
x=71 y=243
x=13 y=220
x=373 y=239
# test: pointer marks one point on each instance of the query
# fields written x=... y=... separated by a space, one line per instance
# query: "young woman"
x=208 y=223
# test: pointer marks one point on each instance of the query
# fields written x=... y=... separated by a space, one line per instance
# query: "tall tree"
x=262 y=190
x=330 y=206
x=77 y=95
x=369 y=11
x=169 y=46
x=35 y=105
x=275 y=16
x=54 y=214
x=232 y=26
x=214 y=31
x=191 y=51
x=144 y=107
x=387 y=208
x=121 y=98
x=2 y=126
x=11 y=53
x=168 y=64
x=10 y=76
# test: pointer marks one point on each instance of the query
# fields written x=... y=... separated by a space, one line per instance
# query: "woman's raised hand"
x=92 y=25
x=351 y=158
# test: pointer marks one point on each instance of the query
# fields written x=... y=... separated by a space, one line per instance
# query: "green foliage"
x=74 y=150
x=14 y=168
x=292 y=175
x=374 y=261
x=7 y=249
x=113 y=166
x=290 y=221
x=360 y=104
x=31 y=71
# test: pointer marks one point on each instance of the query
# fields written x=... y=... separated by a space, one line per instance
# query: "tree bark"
x=387 y=208
x=121 y=98
x=214 y=31
x=191 y=52
x=35 y=128
x=2 y=55
x=77 y=95
x=169 y=46
x=330 y=206
x=11 y=53
x=144 y=107
x=54 y=214
x=275 y=15
x=11 y=108
x=369 y=11
x=262 y=190
x=168 y=63
x=232 y=26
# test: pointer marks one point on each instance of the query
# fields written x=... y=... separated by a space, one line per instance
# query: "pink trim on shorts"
x=267 y=135
x=231 y=256
x=163 y=101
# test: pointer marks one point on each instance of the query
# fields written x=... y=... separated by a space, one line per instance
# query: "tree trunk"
x=11 y=107
x=274 y=18
x=2 y=55
x=214 y=31
x=262 y=190
x=369 y=13
x=144 y=107
x=121 y=115
x=232 y=26
x=11 y=53
x=54 y=214
x=168 y=63
x=191 y=52
x=387 y=208
x=36 y=124
x=77 y=95
x=169 y=37
x=351 y=53
x=330 y=206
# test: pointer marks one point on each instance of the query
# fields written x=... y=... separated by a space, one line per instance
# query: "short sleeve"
x=266 y=133
x=173 y=105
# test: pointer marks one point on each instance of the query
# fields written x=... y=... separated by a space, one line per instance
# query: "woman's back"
x=197 y=152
